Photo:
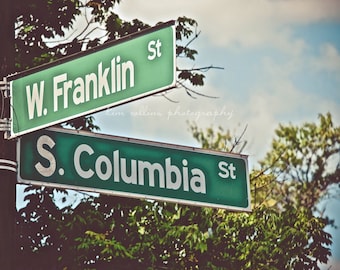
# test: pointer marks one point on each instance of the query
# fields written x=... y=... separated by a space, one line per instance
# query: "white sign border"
x=135 y=195
x=104 y=107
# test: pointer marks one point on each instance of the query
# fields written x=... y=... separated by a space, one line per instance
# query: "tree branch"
x=193 y=91
x=237 y=140
x=202 y=69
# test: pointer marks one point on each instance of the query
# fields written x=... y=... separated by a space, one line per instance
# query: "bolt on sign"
x=134 y=168
x=115 y=73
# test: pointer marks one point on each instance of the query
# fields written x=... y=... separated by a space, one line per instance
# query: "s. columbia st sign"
x=133 y=67
x=134 y=168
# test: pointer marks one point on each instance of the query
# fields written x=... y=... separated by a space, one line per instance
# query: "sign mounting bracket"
x=5 y=94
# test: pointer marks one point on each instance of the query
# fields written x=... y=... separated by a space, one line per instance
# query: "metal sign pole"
x=7 y=147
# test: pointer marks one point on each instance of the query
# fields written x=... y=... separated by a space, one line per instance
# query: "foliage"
x=104 y=232
x=210 y=140
x=41 y=24
x=39 y=21
x=127 y=233
x=221 y=139
x=50 y=30
x=307 y=161
x=36 y=228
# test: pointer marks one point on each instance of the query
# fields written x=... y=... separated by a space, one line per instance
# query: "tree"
x=104 y=231
x=306 y=159
x=46 y=31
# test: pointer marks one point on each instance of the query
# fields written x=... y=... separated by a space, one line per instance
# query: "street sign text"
x=134 y=168
x=110 y=75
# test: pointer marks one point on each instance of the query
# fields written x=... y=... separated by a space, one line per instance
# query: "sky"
x=281 y=64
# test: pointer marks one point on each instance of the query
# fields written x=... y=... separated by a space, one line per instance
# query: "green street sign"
x=134 y=168
x=133 y=67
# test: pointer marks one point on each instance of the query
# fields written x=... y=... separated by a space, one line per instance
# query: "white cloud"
x=233 y=22
x=329 y=59
x=274 y=98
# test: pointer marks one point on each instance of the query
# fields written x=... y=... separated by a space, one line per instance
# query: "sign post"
x=134 y=168
x=136 y=66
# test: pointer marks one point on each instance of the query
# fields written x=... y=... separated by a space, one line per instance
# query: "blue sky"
x=281 y=63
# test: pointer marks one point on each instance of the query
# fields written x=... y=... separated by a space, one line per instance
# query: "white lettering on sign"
x=93 y=85
x=119 y=76
x=80 y=149
x=226 y=170
x=154 y=47
x=35 y=98
x=43 y=142
x=168 y=176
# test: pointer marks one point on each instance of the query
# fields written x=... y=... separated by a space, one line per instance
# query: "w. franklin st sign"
x=136 y=66
x=134 y=168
